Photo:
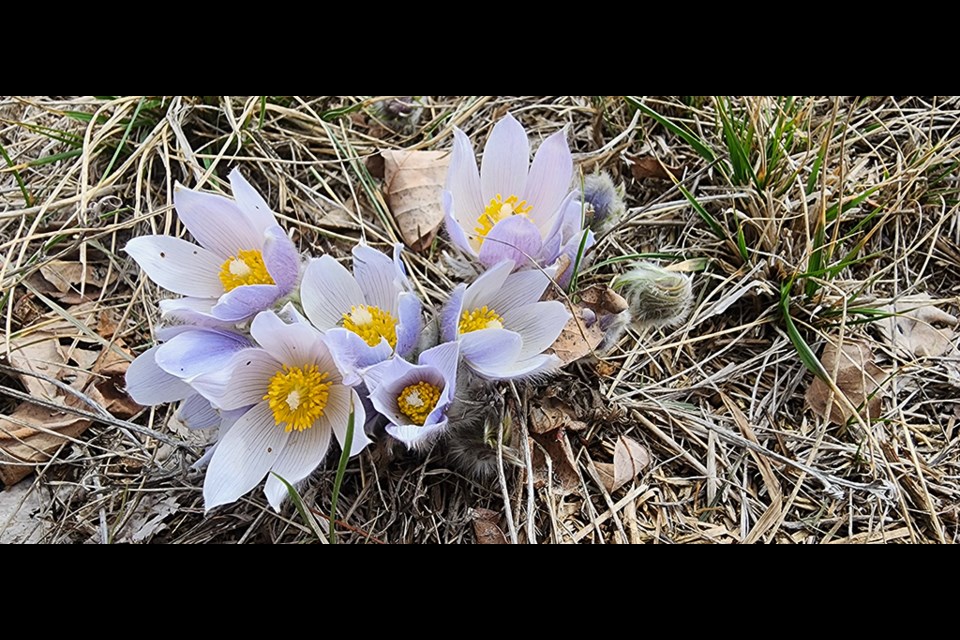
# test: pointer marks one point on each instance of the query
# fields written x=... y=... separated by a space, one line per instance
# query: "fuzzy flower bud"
x=402 y=114
x=657 y=297
x=605 y=200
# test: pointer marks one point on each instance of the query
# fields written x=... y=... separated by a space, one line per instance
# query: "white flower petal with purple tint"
x=415 y=398
x=502 y=326
x=508 y=208
x=244 y=262
x=367 y=316
x=299 y=403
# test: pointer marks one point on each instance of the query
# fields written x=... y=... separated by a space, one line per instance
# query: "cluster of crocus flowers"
x=281 y=351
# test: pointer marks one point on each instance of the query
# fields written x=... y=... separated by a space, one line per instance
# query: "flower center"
x=496 y=212
x=372 y=324
x=417 y=402
x=298 y=397
x=479 y=319
x=246 y=268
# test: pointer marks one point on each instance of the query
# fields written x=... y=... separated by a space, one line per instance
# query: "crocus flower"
x=367 y=316
x=415 y=398
x=299 y=401
x=243 y=265
x=508 y=210
x=502 y=326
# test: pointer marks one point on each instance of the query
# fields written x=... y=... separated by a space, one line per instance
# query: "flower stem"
x=341 y=472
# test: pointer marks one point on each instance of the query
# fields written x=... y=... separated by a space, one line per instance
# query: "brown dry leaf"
x=603 y=299
x=31 y=434
x=858 y=377
x=566 y=478
x=61 y=280
x=649 y=167
x=39 y=353
x=486 y=527
x=914 y=333
x=552 y=414
x=413 y=185
x=630 y=459
x=577 y=340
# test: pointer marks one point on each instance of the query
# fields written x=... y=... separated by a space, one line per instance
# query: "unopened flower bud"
x=657 y=297
x=402 y=114
x=604 y=199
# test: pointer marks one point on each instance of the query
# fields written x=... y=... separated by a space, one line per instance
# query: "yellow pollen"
x=298 y=397
x=417 y=402
x=372 y=324
x=496 y=212
x=479 y=319
x=246 y=268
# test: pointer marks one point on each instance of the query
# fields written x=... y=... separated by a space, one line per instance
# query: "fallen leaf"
x=858 y=378
x=486 y=527
x=630 y=460
x=61 y=279
x=552 y=414
x=39 y=353
x=555 y=453
x=30 y=435
x=580 y=337
x=413 y=185
x=148 y=519
x=650 y=167
x=913 y=332
x=603 y=299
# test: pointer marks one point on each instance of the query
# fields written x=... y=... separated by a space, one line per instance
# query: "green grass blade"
x=712 y=222
x=342 y=471
x=308 y=518
x=57 y=157
x=807 y=357
x=681 y=132
x=28 y=201
x=123 y=139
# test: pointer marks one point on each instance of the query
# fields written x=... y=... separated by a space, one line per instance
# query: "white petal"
x=217 y=223
x=178 y=266
x=376 y=274
x=463 y=179
x=550 y=178
x=295 y=345
x=337 y=416
x=446 y=359
x=251 y=203
x=451 y=313
x=459 y=236
x=539 y=325
x=244 y=456
x=250 y=372
x=197 y=413
x=506 y=161
x=416 y=437
x=522 y=369
x=329 y=292
x=519 y=290
x=149 y=385
x=481 y=292
x=301 y=457
x=491 y=348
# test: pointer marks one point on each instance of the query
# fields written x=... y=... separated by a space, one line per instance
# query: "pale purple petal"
x=458 y=234
x=550 y=178
x=301 y=457
x=506 y=161
x=538 y=365
x=572 y=251
x=250 y=372
x=516 y=239
x=196 y=312
x=481 y=292
x=228 y=419
x=445 y=359
x=376 y=274
x=561 y=228
x=491 y=348
x=539 y=325
x=519 y=290
x=337 y=416
x=417 y=437
x=178 y=266
x=245 y=302
x=194 y=353
x=197 y=413
x=149 y=385
x=410 y=323
x=244 y=456
x=217 y=223
x=251 y=203
x=329 y=292
x=401 y=270
x=282 y=259
x=295 y=345
x=352 y=354
x=451 y=313
x=463 y=179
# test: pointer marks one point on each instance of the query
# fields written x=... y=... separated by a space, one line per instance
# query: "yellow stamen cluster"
x=372 y=324
x=479 y=319
x=298 y=397
x=497 y=211
x=246 y=268
x=417 y=402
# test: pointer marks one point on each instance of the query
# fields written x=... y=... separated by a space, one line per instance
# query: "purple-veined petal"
x=506 y=161
x=491 y=348
x=516 y=239
x=410 y=323
x=197 y=312
x=244 y=456
x=250 y=372
x=538 y=324
x=521 y=369
x=337 y=416
x=445 y=359
x=352 y=354
x=329 y=292
x=149 y=385
x=572 y=251
x=301 y=457
x=217 y=223
x=486 y=287
x=281 y=259
x=562 y=227
x=463 y=179
x=197 y=413
x=245 y=302
x=376 y=274
x=550 y=178
x=519 y=290
x=228 y=419
x=458 y=234
x=178 y=266
x=194 y=353
x=451 y=313
x=251 y=203
x=295 y=345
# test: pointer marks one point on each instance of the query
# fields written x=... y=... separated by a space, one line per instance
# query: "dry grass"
x=719 y=402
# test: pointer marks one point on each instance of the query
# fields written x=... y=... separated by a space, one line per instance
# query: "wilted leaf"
x=630 y=460
x=556 y=444
x=552 y=414
x=486 y=527
x=61 y=279
x=39 y=353
x=413 y=185
x=30 y=435
x=579 y=338
x=603 y=299
x=913 y=331
x=649 y=167
x=858 y=378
